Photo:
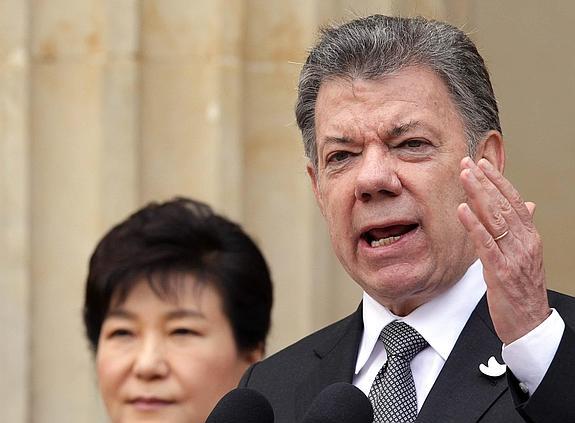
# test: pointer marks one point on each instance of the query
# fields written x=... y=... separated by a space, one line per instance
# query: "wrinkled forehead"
x=384 y=104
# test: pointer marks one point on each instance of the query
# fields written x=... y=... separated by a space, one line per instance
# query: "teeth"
x=384 y=241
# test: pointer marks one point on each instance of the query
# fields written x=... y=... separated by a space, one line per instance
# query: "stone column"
x=14 y=213
x=82 y=179
x=120 y=144
x=190 y=102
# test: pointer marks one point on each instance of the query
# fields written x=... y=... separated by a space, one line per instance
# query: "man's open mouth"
x=381 y=237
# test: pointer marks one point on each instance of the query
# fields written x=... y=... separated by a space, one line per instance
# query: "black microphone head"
x=242 y=405
x=340 y=403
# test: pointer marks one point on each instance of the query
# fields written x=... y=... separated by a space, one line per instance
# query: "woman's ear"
x=492 y=149
x=255 y=355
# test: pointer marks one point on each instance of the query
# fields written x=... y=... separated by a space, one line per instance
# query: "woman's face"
x=167 y=360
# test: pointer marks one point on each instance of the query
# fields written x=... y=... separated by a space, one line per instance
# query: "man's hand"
x=509 y=246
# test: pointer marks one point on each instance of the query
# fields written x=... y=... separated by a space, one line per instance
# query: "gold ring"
x=503 y=235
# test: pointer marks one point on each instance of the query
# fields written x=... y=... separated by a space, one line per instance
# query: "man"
x=401 y=128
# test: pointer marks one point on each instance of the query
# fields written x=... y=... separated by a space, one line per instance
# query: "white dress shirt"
x=440 y=321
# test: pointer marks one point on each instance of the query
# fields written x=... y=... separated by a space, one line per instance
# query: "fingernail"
x=485 y=163
x=468 y=173
x=467 y=162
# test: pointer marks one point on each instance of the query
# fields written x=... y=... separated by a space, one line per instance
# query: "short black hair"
x=181 y=236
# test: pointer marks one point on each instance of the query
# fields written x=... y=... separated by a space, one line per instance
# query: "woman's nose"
x=151 y=362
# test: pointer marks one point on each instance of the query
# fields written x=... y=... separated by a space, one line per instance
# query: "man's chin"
x=398 y=291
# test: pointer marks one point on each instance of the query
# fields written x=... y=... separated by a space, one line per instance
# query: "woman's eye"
x=183 y=332
x=120 y=333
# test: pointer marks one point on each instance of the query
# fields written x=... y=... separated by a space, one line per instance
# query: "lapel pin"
x=493 y=368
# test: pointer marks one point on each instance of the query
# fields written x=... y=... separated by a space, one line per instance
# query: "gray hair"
x=376 y=46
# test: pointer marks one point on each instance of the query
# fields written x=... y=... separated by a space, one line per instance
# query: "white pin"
x=493 y=368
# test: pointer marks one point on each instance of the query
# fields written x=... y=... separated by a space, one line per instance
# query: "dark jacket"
x=293 y=377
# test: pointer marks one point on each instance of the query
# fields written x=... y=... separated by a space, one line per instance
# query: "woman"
x=177 y=306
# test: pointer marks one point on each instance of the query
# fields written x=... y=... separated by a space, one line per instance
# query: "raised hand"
x=509 y=246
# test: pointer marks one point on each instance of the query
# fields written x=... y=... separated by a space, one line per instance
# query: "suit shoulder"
x=319 y=342
x=297 y=358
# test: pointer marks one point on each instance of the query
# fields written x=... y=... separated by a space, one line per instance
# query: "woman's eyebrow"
x=185 y=312
x=171 y=315
x=121 y=313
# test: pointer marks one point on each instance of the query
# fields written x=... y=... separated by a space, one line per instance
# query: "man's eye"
x=413 y=144
x=338 y=156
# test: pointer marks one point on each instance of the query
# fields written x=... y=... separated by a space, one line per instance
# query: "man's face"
x=387 y=182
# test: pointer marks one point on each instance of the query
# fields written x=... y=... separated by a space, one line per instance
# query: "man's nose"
x=377 y=175
x=151 y=360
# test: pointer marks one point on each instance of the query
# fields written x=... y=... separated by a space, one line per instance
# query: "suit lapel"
x=462 y=392
x=336 y=362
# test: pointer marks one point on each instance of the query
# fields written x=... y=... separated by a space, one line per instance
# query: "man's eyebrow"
x=403 y=128
x=337 y=140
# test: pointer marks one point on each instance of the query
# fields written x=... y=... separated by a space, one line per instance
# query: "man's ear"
x=312 y=172
x=492 y=149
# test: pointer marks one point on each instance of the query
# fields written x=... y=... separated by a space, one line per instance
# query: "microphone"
x=340 y=403
x=242 y=405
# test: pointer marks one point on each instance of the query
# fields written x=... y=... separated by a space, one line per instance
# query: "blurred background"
x=106 y=105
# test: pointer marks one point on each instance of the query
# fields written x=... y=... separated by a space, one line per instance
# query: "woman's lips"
x=150 y=404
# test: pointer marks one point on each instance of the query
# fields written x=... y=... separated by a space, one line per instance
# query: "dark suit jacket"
x=293 y=377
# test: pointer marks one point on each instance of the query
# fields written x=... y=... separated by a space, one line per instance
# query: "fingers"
x=486 y=247
x=485 y=200
x=501 y=227
x=507 y=190
x=495 y=202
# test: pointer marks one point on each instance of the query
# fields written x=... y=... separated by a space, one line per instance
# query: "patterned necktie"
x=393 y=392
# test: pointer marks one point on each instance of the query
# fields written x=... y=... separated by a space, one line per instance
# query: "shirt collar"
x=439 y=321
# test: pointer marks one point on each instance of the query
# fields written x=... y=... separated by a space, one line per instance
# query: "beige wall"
x=108 y=104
